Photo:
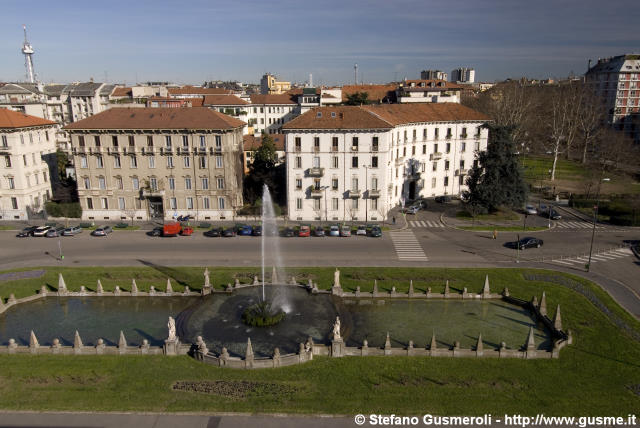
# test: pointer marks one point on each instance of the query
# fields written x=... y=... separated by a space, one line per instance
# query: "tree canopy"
x=357 y=98
x=496 y=180
x=264 y=170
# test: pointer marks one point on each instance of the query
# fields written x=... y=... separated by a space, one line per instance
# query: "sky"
x=191 y=41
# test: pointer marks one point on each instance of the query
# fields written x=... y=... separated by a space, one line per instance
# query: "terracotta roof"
x=376 y=92
x=158 y=118
x=223 y=100
x=344 y=117
x=121 y=92
x=193 y=90
x=14 y=119
x=382 y=116
x=252 y=142
x=195 y=102
x=272 y=99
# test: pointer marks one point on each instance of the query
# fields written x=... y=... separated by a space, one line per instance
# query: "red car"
x=186 y=231
x=304 y=231
x=174 y=228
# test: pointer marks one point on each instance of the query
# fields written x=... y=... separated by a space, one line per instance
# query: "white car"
x=531 y=210
x=41 y=231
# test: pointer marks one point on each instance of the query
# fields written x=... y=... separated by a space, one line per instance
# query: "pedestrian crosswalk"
x=425 y=223
x=577 y=225
x=596 y=257
x=407 y=246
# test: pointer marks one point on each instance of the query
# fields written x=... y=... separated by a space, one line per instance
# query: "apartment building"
x=155 y=163
x=269 y=84
x=348 y=163
x=25 y=182
x=428 y=91
x=463 y=75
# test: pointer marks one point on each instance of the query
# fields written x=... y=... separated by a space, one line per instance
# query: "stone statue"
x=336 y=329
x=336 y=278
x=202 y=347
x=206 y=277
x=171 y=325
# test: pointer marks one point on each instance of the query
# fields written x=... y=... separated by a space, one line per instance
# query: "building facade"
x=433 y=75
x=617 y=81
x=270 y=85
x=428 y=91
x=349 y=163
x=158 y=163
x=463 y=75
x=25 y=182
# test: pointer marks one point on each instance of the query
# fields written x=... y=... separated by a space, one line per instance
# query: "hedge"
x=69 y=210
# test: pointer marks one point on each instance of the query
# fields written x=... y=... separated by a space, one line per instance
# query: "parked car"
x=71 y=231
x=375 y=232
x=345 y=231
x=530 y=209
x=318 y=231
x=54 y=232
x=41 y=231
x=157 y=231
x=527 y=242
x=334 y=231
x=555 y=215
x=243 y=230
x=304 y=231
x=186 y=231
x=443 y=199
x=362 y=230
x=214 y=232
x=229 y=232
x=257 y=231
x=288 y=232
x=102 y=231
x=26 y=232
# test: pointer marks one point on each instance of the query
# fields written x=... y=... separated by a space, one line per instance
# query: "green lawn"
x=497 y=216
x=503 y=228
x=598 y=375
x=537 y=168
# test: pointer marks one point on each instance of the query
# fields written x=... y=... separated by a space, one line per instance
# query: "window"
x=114 y=140
x=24 y=159
x=14 y=203
x=374 y=161
x=298 y=203
x=462 y=164
x=12 y=184
x=316 y=183
x=187 y=183
x=220 y=182
x=334 y=183
x=449 y=134
x=96 y=140
x=413 y=151
x=205 y=183
x=461 y=180
x=374 y=204
x=414 y=134
x=354 y=184
x=44 y=176
x=435 y=166
x=173 y=203
x=298 y=144
x=99 y=162
x=433 y=182
x=202 y=161
x=316 y=162
x=7 y=161
x=374 y=183
x=116 y=161
x=446 y=181
x=219 y=163
x=132 y=142
x=167 y=141
x=205 y=203
x=218 y=142
x=334 y=144
x=298 y=183
x=102 y=183
x=189 y=203
x=89 y=203
x=374 y=144
x=316 y=205
x=185 y=141
x=446 y=165
x=172 y=183
x=335 y=162
x=5 y=143
x=81 y=141
x=463 y=147
x=169 y=161
x=298 y=163
x=152 y=161
x=436 y=134
x=354 y=144
x=424 y=149
x=121 y=203
x=119 y=183
x=404 y=151
x=448 y=147
x=153 y=183
x=354 y=162
x=334 y=204
x=149 y=140
x=221 y=203
x=83 y=162
x=424 y=134
x=135 y=183
x=28 y=181
x=435 y=148
x=354 y=204
x=186 y=161
x=105 y=203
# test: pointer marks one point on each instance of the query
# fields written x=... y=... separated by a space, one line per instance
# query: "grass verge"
x=598 y=375
x=503 y=228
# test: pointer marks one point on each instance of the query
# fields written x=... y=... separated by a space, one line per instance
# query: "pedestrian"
x=495 y=234
x=394 y=219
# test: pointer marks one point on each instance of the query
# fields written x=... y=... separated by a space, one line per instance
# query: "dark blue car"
x=244 y=230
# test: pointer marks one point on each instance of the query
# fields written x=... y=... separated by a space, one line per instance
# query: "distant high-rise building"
x=433 y=75
x=463 y=75
x=617 y=81
x=269 y=85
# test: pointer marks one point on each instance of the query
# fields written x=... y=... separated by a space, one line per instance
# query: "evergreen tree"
x=496 y=180
x=357 y=99
x=264 y=170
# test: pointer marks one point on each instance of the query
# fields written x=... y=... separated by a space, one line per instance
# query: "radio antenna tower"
x=28 y=51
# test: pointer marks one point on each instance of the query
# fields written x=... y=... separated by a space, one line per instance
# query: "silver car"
x=71 y=231
x=531 y=210
x=41 y=231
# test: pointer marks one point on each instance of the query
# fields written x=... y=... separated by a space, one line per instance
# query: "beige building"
x=24 y=175
x=147 y=163
x=269 y=85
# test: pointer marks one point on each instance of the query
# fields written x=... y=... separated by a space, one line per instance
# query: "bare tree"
x=131 y=213
x=590 y=119
x=560 y=118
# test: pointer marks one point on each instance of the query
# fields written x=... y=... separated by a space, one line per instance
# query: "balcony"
x=334 y=148
x=149 y=193
x=113 y=150
x=202 y=150
x=166 y=150
x=374 y=193
x=297 y=148
x=435 y=156
x=316 y=192
x=316 y=149
x=183 y=150
x=315 y=172
x=374 y=148
x=463 y=135
x=353 y=194
x=462 y=171
x=5 y=149
x=354 y=148
x=399 y=161
x=477 y=136
x=95 y=150
x=448 y=136
x=148 y=150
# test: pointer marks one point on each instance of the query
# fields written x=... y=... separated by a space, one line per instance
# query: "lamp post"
x=595 y=220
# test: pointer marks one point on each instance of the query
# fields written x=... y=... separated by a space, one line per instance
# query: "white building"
x=24 y=175
x=358 y=162
x=433 y=75
x=463 y=75
x=428 y=91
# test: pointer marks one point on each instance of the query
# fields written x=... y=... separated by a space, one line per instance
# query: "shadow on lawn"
x=172 y=273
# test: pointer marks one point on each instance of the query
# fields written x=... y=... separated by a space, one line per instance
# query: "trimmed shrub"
x=69 y=210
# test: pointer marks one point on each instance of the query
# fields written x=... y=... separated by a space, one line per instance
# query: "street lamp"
x=595 y=220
